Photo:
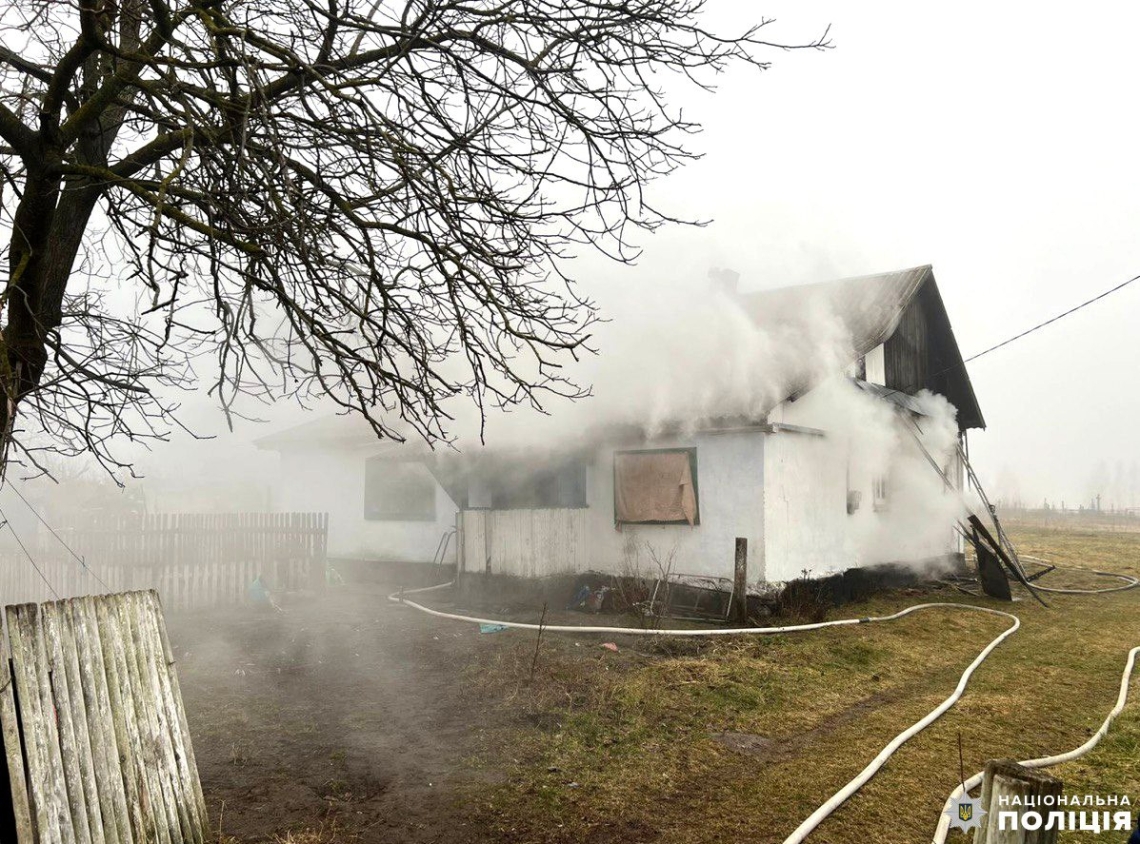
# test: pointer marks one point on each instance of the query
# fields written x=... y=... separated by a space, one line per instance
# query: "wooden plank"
x=37 y=716
x=1005 y=781
x=54 y=716
x=739 y=610
x=151 y=671
x=104 y=743
x=137 y=781
x=71 y=723
x=1019 y=575
x=165 y=815
x=14 y=751
x=190 y=788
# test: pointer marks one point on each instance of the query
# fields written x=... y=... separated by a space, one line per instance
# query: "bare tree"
x=368 y=200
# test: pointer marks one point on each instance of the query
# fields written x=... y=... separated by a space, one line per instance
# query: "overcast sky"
x=997 y=145
x=994 y=141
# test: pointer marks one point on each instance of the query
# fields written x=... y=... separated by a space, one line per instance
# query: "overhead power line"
x=1120 y=286
x=28 y=554
x=82 y=561
x=962 y=365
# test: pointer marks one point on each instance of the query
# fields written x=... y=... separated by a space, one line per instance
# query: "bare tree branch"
x=365 y=201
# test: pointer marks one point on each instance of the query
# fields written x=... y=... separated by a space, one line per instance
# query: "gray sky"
x=995 y=144
x=993 y=141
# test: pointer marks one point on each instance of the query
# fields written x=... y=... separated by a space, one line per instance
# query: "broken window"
x=539 y=487
x=397 y=491
x=656 y=486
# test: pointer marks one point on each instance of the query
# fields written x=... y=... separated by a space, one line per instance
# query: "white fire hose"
x=1047 y=761
x=835 y=801
x=1129 y=582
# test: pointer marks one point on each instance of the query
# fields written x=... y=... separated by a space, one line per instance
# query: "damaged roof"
x=869 y=306
x=870 y=310
x=861 y=313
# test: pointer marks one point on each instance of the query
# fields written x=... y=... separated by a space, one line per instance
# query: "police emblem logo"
x=965 y=812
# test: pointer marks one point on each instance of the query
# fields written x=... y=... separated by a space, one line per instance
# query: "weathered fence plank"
x=21 y=809
x=95 y=736
x=526 y=543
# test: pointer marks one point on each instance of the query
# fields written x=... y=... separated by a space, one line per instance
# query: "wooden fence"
x=525 y=543
x=192 y=560
x=96 y=748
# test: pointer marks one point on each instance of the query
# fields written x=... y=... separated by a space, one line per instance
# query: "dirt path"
x=348 y=714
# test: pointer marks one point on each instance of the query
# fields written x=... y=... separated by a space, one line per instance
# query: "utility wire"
x=962 y=365
x=1054 y=319
x=27 y=554
x=81 y=560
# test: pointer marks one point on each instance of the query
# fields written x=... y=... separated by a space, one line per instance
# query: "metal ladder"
x=972 y=477
x=441 y=549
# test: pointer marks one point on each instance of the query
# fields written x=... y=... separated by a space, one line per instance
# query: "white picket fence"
x=192 y=560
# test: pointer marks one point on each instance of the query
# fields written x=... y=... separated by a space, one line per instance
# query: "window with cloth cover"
x=656 y=487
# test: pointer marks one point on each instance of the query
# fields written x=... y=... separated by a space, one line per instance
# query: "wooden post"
x=1005 y=780
x=739 y=612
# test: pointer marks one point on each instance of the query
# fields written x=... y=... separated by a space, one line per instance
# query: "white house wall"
x=807 y=525
x=805 y=506
x=730 y=489
x=785 y=491
x=539 y=543
x=332 y=480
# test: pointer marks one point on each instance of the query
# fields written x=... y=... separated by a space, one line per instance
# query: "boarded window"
x=395 y=491
x=656 y=487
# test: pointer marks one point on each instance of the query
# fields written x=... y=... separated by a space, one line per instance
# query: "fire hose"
x=835 y=801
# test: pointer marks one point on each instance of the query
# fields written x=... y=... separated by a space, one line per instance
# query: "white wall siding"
x=536 y=543
x=876 y=366
x=805 y=506
x=332 y=481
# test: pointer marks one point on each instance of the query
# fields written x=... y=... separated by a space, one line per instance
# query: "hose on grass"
x=400 y=598
x=836 y=800
x=1130 y=582
x=871 y=769
x=973 y=782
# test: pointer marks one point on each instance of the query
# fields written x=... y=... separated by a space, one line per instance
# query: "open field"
x=352 y=720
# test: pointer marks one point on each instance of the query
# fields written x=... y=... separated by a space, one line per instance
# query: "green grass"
x=624 y=747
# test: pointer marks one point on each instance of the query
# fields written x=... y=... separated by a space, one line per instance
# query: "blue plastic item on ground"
x=257 y=593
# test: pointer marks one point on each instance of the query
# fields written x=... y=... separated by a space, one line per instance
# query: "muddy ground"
x=348 y=713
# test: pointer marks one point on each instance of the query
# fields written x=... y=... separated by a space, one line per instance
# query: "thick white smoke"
x=914 y=517
x=678 y=357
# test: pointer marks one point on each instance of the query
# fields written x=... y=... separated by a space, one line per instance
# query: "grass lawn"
x=740 y=740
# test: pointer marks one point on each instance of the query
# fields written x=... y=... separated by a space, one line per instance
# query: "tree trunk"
x=47 y=233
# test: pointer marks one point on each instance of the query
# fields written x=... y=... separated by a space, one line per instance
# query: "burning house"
x=854 y=460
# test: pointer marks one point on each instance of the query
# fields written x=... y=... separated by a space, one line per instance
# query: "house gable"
x=900 y=311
